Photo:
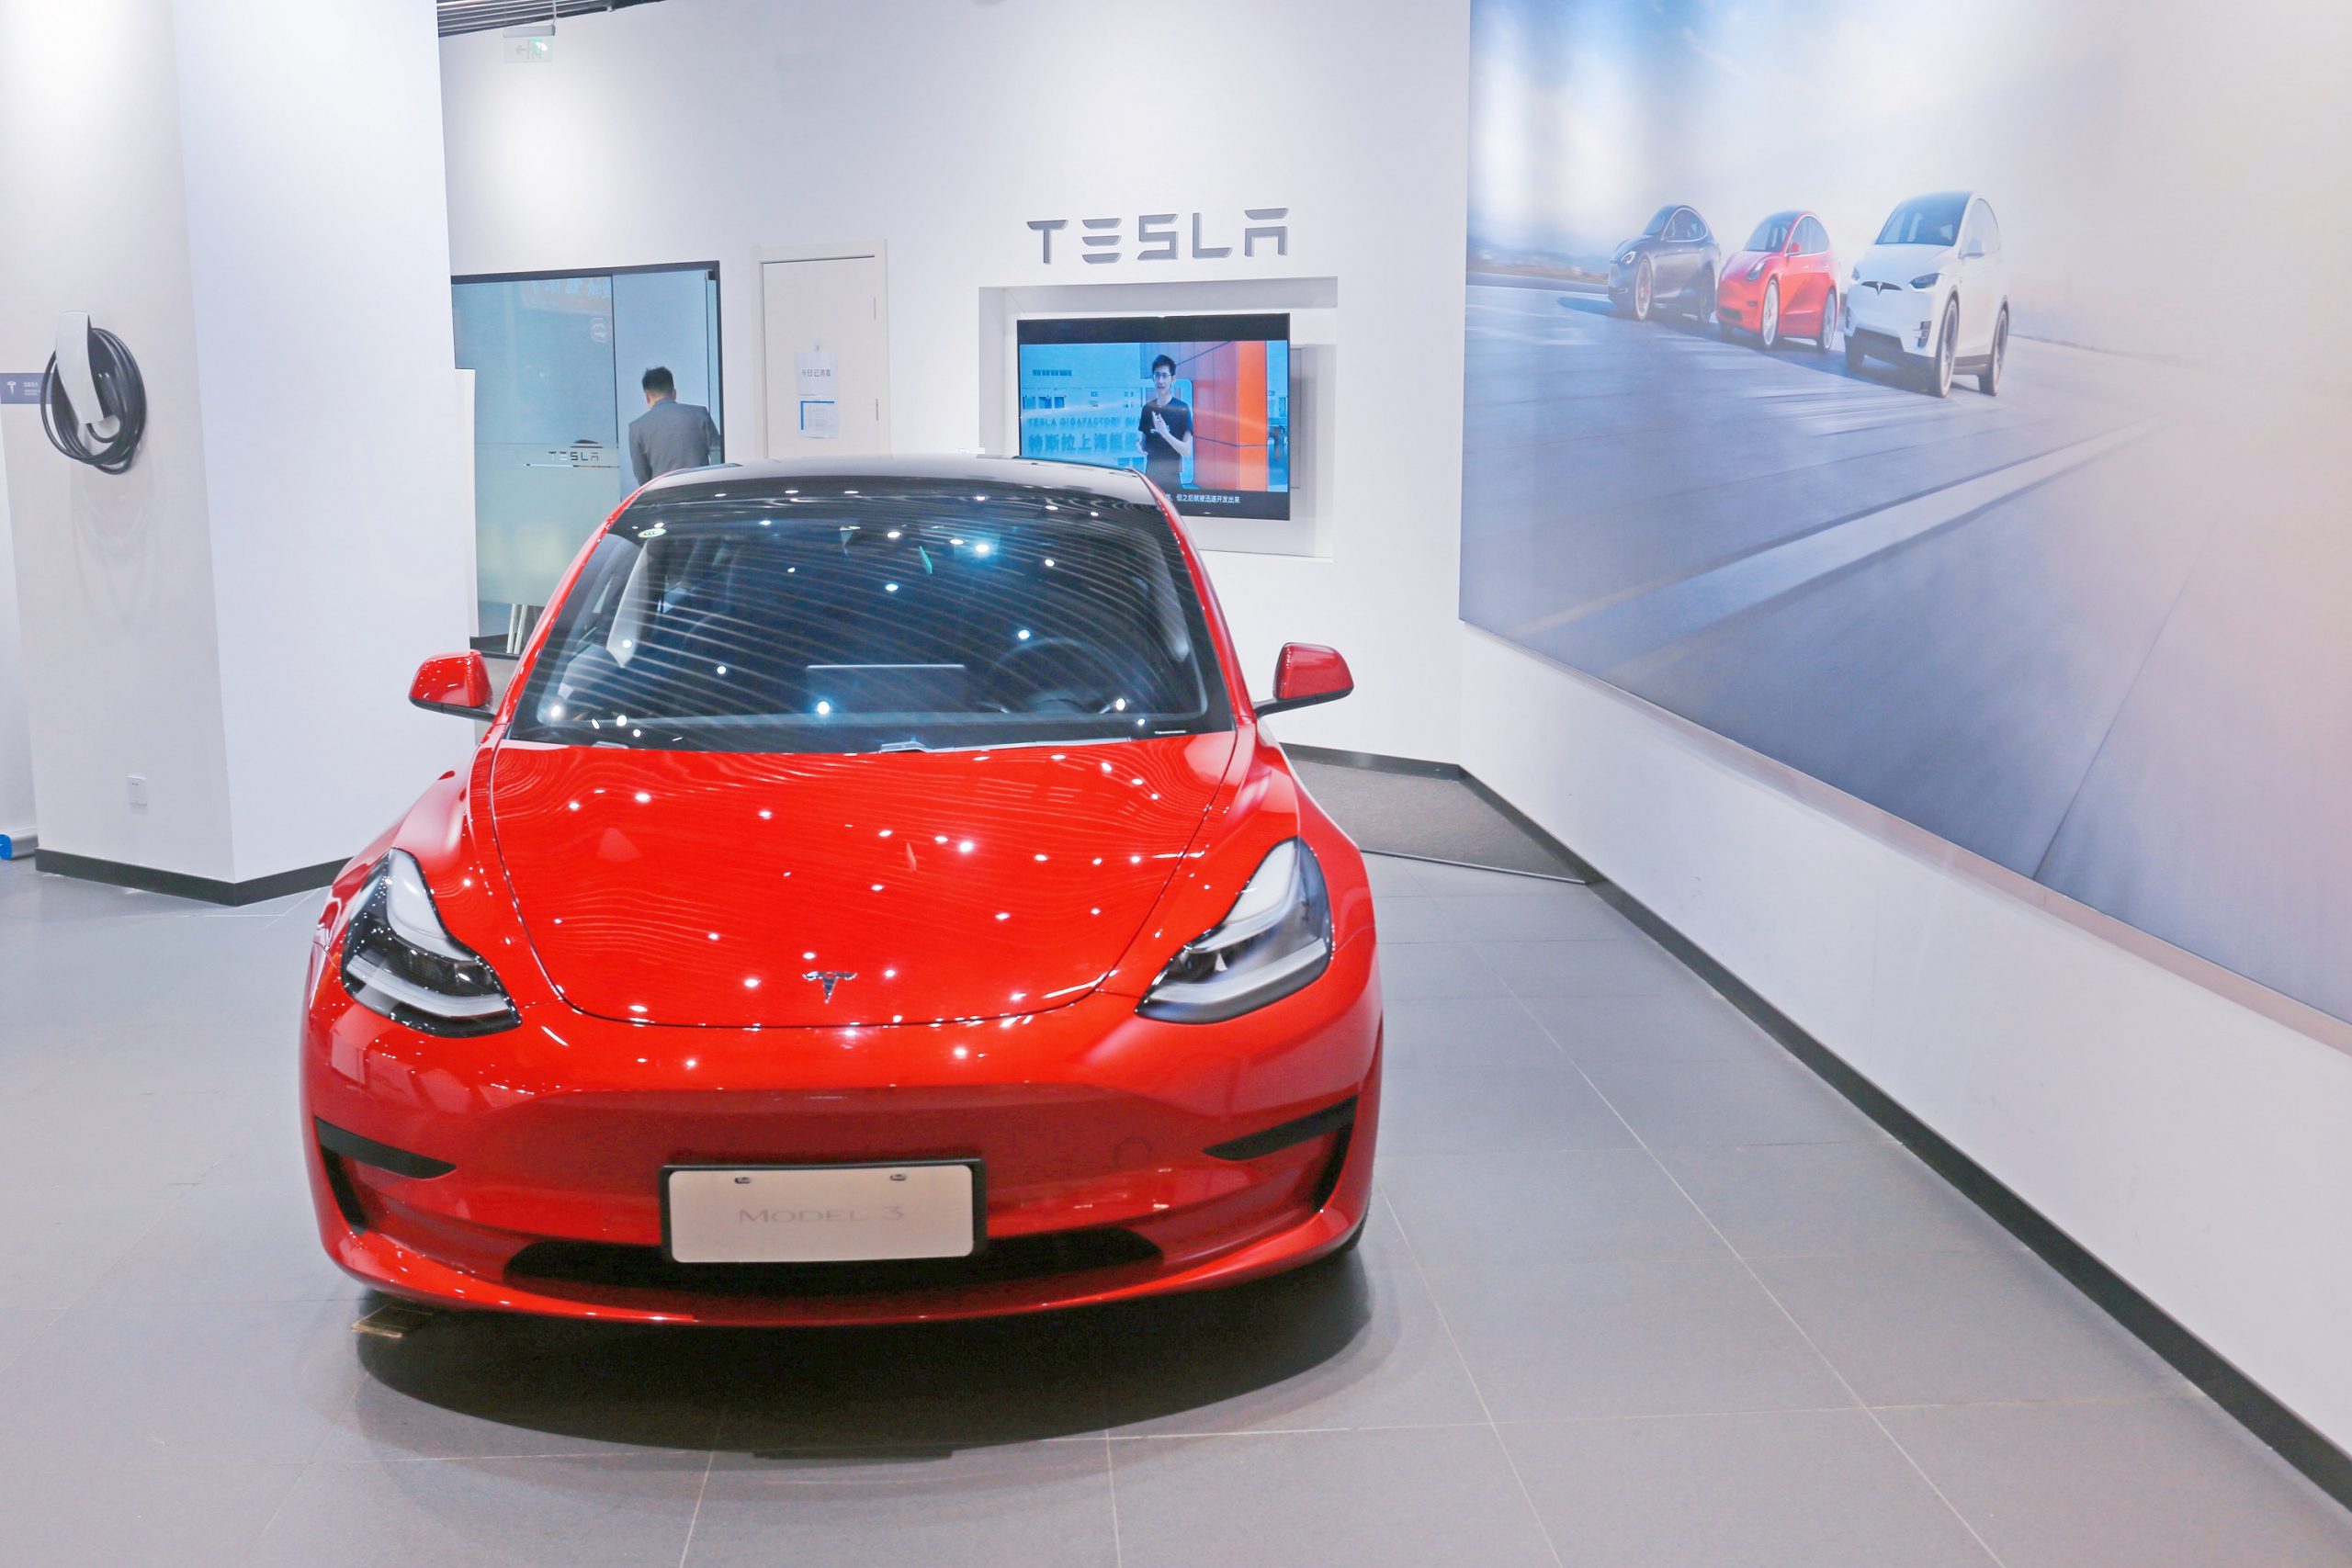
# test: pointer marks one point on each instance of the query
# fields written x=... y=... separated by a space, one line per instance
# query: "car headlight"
x=1755 y=271
x=1275 y=939
x=1927 y=280
x=1629 y=258
x=399 y=961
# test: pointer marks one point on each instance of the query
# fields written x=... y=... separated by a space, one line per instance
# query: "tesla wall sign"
x=1159 y=237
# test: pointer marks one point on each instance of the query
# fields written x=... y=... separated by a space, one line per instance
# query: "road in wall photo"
x=2093 y=627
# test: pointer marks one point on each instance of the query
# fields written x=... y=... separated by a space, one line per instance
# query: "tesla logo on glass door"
x=1157 y=238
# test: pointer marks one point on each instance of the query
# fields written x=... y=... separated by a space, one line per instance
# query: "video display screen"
x=1201 y=404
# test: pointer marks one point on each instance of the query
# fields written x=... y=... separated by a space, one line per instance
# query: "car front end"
x=1895 y=301
x=1740 y=294
x=1624 y=261
x=589 y=1007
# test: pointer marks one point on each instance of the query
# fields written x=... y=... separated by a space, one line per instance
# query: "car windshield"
x=1657 y=225
x=1925 y=221
x=847 y=615
x=1772 y=233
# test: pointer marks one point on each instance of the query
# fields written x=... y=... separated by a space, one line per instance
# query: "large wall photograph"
x=1950 y=404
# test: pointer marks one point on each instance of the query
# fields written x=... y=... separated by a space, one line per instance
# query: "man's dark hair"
x=659 y=380
x=1163 y=359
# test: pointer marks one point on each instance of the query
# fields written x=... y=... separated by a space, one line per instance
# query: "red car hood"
x=685 y=887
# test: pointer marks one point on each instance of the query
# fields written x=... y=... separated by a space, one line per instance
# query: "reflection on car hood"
x=690 y=887
x=1901 y=263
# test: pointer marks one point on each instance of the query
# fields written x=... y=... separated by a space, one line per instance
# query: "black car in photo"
x=1670 y=265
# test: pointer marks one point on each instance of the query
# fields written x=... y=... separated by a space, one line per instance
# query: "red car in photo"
x=1783 y=283
x=874 y=898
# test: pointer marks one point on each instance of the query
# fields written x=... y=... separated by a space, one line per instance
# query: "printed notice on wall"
x=821 y=411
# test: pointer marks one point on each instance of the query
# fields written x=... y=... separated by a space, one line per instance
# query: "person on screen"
x=1166 y=427
x=669 y=434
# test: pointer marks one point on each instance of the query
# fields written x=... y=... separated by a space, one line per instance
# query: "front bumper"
x=1900 y=318
x=1093 y=1127
x=1740 y=303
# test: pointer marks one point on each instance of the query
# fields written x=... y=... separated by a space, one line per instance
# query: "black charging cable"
x=119 y=391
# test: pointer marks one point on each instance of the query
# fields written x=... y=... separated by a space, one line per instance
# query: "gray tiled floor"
x=1638 y=1290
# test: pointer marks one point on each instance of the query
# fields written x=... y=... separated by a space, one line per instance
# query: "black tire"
x=1645 y=291
x=1937 y=379
x=1702 y=303
x=1827 y=331
x=1725 y=330
x=1988 y=380
x=1856 y=357
x=1768 y=318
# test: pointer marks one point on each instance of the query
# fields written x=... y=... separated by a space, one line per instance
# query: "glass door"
x=559 y=359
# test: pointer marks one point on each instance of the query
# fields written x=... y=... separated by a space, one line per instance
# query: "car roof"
x=767 y=473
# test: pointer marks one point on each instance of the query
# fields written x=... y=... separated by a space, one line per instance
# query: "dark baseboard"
x=1372 y=762
x=2294 y=1440
x=180 y=885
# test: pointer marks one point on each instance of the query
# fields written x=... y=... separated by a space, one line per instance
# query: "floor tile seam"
x=1581 y=939
x=1851 y=1393
x=129 y=1301
x=1986 y=1251
x=2189 y=1393
x=686 y=1547
x=1782 y=1307
x=1297 y=1431
x=1760 y=1413
x=1510 y=1460
x=253 y=1547
x=1111 y=1486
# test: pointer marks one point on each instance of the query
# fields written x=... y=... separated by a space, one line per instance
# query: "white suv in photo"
x=1931 y=294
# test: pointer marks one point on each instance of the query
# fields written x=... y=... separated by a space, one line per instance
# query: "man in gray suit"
x=669 y=434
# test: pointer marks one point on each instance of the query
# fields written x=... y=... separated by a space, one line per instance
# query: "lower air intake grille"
x=644 y=1267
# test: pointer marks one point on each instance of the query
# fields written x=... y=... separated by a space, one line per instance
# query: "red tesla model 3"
x=1783 y=283
x=873 y=899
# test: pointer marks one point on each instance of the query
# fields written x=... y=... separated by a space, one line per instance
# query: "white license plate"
x=822 y=1213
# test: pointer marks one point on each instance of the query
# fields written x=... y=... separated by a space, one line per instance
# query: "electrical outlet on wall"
x=137 y=789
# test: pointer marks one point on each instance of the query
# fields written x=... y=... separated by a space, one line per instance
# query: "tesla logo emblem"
x=1158 y=238
x=828 y=979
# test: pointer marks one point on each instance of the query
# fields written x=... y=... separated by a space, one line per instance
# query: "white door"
x=825 y=335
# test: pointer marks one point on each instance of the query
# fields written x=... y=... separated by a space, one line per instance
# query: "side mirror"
x=1305 y=674
x=453 y=683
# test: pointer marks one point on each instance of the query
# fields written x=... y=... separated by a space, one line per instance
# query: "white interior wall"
x=709 y=128
x=16 y=727
x=115 y=573
x=342 y=542
x=253 y=203
x=2186 y=1127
